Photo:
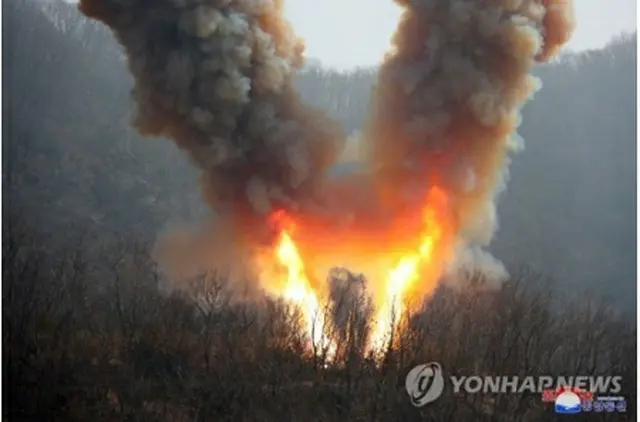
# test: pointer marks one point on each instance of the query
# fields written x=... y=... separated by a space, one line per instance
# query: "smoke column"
x=216 y=77
x=448 y=99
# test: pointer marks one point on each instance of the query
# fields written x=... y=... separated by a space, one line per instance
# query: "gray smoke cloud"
x=216 y=77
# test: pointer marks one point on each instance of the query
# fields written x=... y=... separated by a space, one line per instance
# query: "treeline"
x=101 y=340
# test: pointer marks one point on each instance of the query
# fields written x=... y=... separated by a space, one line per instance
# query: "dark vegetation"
x=83 y=342
x=90 y=331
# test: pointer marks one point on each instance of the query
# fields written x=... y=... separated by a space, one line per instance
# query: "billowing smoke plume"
x=216 y=77
x=448 y=98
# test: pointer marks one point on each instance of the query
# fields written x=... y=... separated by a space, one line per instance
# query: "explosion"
x=297 y=288
x=423 y=263
x=216 y=76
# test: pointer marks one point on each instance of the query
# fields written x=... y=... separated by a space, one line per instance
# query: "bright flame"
x=298 y=290
x=404 y=275
x=419 y=243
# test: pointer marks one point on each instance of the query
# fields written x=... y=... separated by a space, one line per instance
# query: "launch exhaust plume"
x=216 y=77
x=448 y=98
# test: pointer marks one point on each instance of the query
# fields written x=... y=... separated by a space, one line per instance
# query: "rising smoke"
x=448 y=99
x=216 y=76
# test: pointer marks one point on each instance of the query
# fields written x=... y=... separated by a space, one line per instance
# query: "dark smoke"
x=216 y=77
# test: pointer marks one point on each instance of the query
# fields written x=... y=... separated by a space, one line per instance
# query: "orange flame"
x=297 y=288
x=415 y=272
x=406 y=273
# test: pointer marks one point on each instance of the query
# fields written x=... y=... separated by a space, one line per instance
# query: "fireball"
x=402 y=256
x=416 y=271
x=296 y=288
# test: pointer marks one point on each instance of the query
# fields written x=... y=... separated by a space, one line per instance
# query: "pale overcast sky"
x=350 y=33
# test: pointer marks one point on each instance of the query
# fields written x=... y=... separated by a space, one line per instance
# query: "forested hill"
x=570 y=207
x=71 y=160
